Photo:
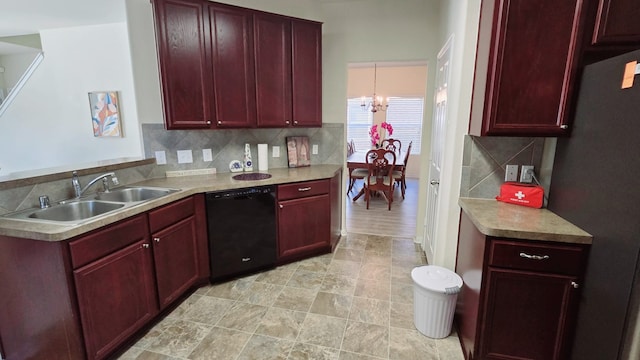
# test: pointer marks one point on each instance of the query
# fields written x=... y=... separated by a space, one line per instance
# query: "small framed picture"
x=105 y=113
x=298 y=151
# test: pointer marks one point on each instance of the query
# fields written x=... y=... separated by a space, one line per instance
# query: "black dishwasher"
x=241 y=224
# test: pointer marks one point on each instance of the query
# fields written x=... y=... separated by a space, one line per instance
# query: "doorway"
x=401 y=88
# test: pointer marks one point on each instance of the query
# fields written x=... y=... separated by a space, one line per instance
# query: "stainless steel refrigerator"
x=595 y=184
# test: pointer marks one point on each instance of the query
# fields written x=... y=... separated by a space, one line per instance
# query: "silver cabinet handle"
x=219 y=122
x=534 y=257
x=146 y=246
x=287 y=122
x=304 y=189
x=246 y=259
x=564 y=127
x=435 y=182
x=295 y=122
x=281 y=206
x=156 y=239
x=208 y=122
x=575 y=285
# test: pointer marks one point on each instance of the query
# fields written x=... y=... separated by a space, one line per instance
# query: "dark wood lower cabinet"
x=116 y=297
x=85 y=297
x=520 y=297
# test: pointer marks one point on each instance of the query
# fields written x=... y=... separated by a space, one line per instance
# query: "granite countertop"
x=188 y=185
x=495 y=218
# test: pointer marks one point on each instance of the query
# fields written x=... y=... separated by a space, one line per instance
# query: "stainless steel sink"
x=76 y=211
x=133 y=194
x=69 y=212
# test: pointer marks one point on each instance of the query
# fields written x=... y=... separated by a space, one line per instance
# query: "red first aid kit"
x=521 y=194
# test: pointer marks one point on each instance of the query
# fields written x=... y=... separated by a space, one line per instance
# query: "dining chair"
x=355 y=174
x=392 y=144
x=399 y=176
x=380 y=164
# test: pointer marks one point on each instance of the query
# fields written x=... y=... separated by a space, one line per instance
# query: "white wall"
x=49 y=123
x=460 y=19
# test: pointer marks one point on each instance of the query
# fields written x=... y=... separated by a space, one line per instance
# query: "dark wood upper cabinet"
x=273 y=70
x=224 y=66
x=617 y=22
x=185 y=75
x=306 y=37
x=526 y=67
x=232 y=64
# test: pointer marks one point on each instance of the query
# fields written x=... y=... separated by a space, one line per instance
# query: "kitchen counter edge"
x=188 y=185
x=495 y=218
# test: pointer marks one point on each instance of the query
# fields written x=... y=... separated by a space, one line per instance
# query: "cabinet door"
x=306 y=38
x=232 y=59
x=532 y=66
x=526 y=315
x=273 y=69
x=116 y=297
x=175 y=251
x=181 y=27
x=617 y=23
x=303 y=226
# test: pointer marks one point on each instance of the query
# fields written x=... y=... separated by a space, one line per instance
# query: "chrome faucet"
x=79 y=190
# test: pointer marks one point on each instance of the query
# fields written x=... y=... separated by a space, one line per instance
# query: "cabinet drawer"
x=551 y=258
x=171 y=214
x=103 y=242
x=303 y=189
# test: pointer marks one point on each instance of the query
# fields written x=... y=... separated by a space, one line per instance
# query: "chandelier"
x=377 y=103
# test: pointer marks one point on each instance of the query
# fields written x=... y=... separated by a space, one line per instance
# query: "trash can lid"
x=436 y=278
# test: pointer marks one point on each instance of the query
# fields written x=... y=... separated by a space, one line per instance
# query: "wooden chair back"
x=392 y=144
x=380 y=163
x=351 y=148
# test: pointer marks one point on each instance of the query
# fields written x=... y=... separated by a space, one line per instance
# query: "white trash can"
x=435 y=291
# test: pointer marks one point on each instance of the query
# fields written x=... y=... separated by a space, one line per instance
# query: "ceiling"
x=31 y=16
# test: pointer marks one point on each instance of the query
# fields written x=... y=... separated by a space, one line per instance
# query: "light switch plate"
x=207 y=156
x=525 y=176
x=161 y=158
x=185 y=156
x=314 y=149
x=276 y=151
x=511 y=173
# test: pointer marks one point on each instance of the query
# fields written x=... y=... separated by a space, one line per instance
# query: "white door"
x=437 y=147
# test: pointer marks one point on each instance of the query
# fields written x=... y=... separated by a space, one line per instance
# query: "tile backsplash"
x=485 y=159
x=228 y=145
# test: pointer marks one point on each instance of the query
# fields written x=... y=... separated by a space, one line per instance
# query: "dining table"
x=358 y=160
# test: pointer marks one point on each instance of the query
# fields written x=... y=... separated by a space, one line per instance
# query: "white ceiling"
x=20 y=17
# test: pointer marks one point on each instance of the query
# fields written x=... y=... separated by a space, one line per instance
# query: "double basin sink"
x=78 y=210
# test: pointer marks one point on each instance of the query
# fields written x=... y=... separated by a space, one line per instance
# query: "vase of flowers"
x=379 y=133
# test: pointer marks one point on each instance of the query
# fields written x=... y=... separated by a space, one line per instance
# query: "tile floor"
x=356 y=303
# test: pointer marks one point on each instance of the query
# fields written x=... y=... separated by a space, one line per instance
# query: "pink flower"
x=375 y=135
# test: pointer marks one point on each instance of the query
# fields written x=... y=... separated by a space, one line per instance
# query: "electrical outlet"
x=207 y=155
x=276 y=151
x=185 y=156
x=161 y=157
x=511 y=173
x=526 y=174
x=314 y=149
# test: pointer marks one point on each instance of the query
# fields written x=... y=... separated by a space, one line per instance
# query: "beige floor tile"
x=371 y=311
x=353 y=241
x=402 y=293
x=379 y=272
x=306 y=279
x=261 y=293
x=449 y=348
x=281 y=323
x=411 y=345
x=131 y=354
x=338 y=284
x=148 y=355
x=232 y=290
x=372 y=289
x=376 y=258
x=401 y=274
x=278 y=276
x=243 y=316
x=318 y=264
x=220 y=344
x=302 y=351
x=345 y=355
x=266 y=348
x=295 y=298
x=402 y=315
x=208 y=310
x=344 y=267
x=349 y=254
x=367 y=339
x=179 y=338
x=322 y=330
x=331 y=304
